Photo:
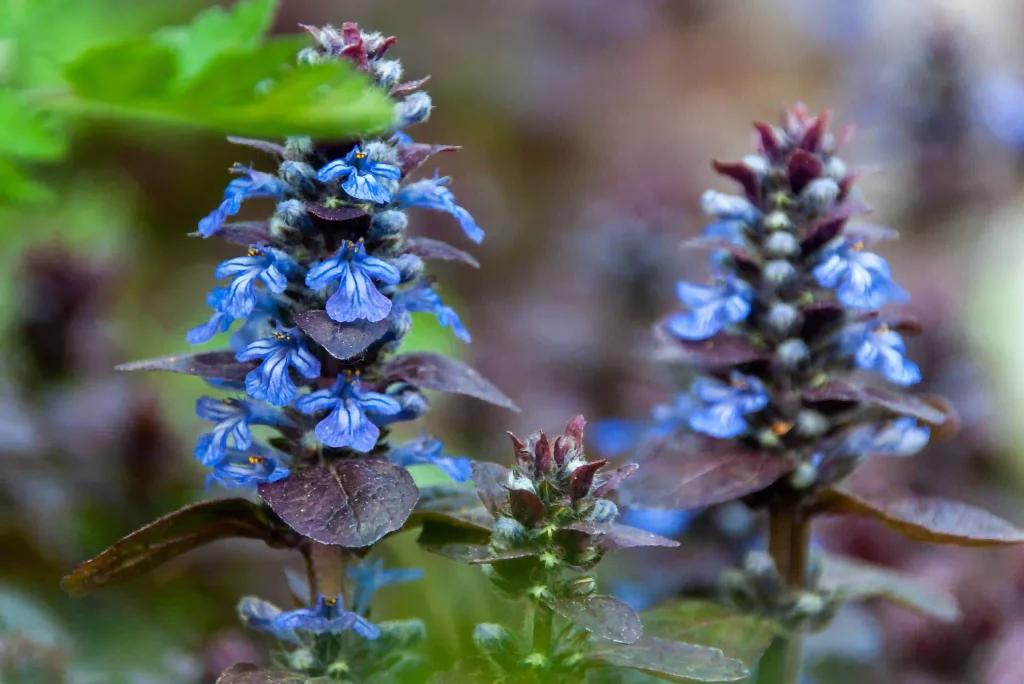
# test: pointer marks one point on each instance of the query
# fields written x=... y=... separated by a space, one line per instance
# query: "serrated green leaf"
x=708 y=624
x=16 y=187
x=25 y=132
x=215 y=31
x=235 y=76
x=135 y=72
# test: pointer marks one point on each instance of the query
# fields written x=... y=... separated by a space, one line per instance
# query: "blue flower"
x=431 y=193
x=364 y=179
x=424 y=300
x=863 y=280
x=729 y=230
x=725 y=405
x=233 y=418
x=262 y=616
x=219 y=322
x=247 y=469
x=900 y=437
x=369 y=576
x=729 y=207
x=259 y=264
x=613 y=436
x=356 y=297
x=328 y=616
x=712 y=308
x=427 y=450
x=876 y=347
x=255 y=184
x=348 y=424
x=666 y=522
x=271 y=381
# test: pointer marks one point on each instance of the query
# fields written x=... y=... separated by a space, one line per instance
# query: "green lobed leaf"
x=215 y=31
x=742 y=637
x=920 y=518
x=130 y=71
x=168 y=537
x=25 y=132
x=16 y=187
x=855 y=580
x=673 y=661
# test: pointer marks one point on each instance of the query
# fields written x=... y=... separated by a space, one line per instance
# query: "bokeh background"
x=587 y=127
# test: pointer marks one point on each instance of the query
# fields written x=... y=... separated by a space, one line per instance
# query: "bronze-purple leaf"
x=432 y=371
x=803 y=168
x=244 y=673
x=451 y=504
x=720 y=351
x=543 y=455
x=697 y=472
x=829 y=226
x=742 y=174
x=338 y=224
x=262 y=145
x=526 y=506
x=409 y=86
x=613 y=536
x=341 y=340
x=169 y=537
x=490 y=480
x=925 y=519
x=869 y=233
x=603 y=616
x=350 y=503
x=427 y=248
x=858 y=581
x=769 y=141
x=243 y=233
x=214 y=365
x=582 y=478
x=673 y=661
x=896 y=402
x=412 y=156
x=606 y=483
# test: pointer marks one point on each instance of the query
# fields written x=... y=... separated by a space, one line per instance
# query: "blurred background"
x=587 y=128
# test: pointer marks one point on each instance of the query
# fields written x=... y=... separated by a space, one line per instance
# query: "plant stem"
x=326 y=567
x=542 y=617
x=789 y=539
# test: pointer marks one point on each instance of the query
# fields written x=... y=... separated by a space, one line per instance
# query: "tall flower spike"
x=356 y=298
x=349 y=423
x=254 y=184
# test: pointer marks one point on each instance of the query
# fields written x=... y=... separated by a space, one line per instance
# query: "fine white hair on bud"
x=387 y=72
x=820 y=194
x=412 y=110
x=782 y=244
x=380 y=151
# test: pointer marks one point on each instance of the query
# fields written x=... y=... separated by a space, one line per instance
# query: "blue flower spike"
x=363 y=179
x=350 y=421
x=357 y=297
x=271 y=380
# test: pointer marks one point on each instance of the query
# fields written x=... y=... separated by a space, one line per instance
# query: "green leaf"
x=452 y=504
x=15 y=187
x=128 y=72
x=215 y=31
x=742 y=637
x=171 y=536
x=24 y=132
x=674 y=661
x=854 y=580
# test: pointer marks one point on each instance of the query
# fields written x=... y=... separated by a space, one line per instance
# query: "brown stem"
x=789 y=540
x=326 y=566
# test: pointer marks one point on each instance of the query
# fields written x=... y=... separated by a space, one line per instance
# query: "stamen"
x=253 y=252
x=256 y=460
x=781 y=427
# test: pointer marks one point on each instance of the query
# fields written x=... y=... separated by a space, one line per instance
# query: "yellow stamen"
x=360 y=155
x=781 y=427
x=278 y=335
x=858 y=246
x=256 y=460
x=254 y=252
x=330 y=602
x=882 y=329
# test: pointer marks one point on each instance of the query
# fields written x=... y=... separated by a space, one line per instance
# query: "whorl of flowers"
x=790 y=319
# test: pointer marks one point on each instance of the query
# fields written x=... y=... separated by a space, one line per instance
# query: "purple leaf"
x=526 y=507
x=426 y=248
x=803 y=168
x=215 y=365
x=673 y=661
x=412 y=156
x=827 y=227
x=243 y=233
x=582 y=478
x=338 y=224
x=603 y=616
x=262 y=145
x=244 y=673
x=169 y=537
x=607 y=483
x=896 y=402
x=432 y=371
x=350 y=503
x=341 y=340
x=490 y=480
x=409 y=86
x=920 y=518
x=742 y=174
x=451 y=504
x=613 y=537
x=720 y=351
x=698 y=472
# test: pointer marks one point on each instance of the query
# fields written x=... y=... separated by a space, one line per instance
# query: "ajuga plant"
x=324 y=292
x=799 y=379
x=543 y=526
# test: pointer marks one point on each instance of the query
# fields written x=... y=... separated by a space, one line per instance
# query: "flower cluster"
x=325 y=639
x=790 y=317
x=332 y=262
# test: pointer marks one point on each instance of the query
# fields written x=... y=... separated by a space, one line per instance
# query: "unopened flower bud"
x=604 y=511
x=820 y=194
x=298 y=148
x=793 y=353
x=388 y=223
x=782 y=244
x=805 y=475
x=299 y=175
x=412 y=110
x=811 y=423
x=782 y=317
x=779 y=273
x=777 y=221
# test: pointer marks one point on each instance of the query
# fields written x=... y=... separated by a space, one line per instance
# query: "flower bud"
x=299 y=175
x=387 y=72
x=782 y=317
x=298 y=148
x=301 y=659
x=388 y=223
x=757 y=164
x=777 y=221
x=779 y=273
x=583 y=586
x=805 y=475
x=509 y=532
x=723 y=206
x=410 y=267
x=835 y=168
x=412 y=110
x=811 y=423
x=793 y=353
x=820 y=194
x=604 y=511
x=782 y=244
